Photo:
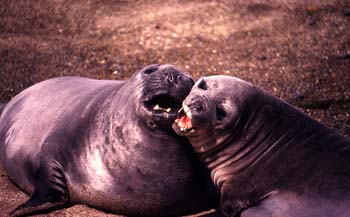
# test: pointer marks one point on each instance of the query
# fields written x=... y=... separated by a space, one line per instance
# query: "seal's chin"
x=183 y=123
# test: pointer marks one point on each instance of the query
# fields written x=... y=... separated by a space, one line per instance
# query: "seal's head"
x=160 y=92
x=211 y=110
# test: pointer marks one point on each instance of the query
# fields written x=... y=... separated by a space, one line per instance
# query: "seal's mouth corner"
x=184 y=120
x=163 y=104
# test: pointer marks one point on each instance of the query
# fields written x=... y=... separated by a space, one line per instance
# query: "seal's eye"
x=202 y=85
x=150 y=69
x=220 y=113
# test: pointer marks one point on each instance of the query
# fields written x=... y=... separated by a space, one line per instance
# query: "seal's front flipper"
x=50 y=192
x=36 y=206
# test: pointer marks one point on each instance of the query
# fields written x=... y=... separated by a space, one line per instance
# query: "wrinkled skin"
x=266 y=157
x=107 y=144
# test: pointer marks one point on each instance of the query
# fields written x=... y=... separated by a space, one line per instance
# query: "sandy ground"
x=298 y=50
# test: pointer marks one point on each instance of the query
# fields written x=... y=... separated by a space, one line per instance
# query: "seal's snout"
x=194 y=108
x=176 y=77
x=196 y=105
x=197 y=101
x=165 y=87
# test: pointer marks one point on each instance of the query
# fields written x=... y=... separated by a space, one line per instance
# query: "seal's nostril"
x=198 y=109
x=170 y=77
x=177 y=79
x=196 y=106
x=150 y=69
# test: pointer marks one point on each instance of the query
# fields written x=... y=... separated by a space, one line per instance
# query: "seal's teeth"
x=182 y=129
x=187 y=111
x=185 y=107
x=156 y=107
x=182 y=108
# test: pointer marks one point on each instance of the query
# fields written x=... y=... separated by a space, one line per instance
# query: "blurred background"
x=298 y=50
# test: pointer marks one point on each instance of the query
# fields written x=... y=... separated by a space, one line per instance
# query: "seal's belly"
x=137 y=176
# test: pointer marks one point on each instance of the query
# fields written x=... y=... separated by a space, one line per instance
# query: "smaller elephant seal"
x=266 y=157
x=107 y=144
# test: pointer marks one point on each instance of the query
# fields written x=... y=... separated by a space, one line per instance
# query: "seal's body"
x=107 y=144
x=266 y=157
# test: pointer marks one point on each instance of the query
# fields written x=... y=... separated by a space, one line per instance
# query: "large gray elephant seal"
x=107 y=144
x=266 y=157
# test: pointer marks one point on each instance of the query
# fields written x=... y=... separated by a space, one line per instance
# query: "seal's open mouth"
x=184 y=121
x=163 y=103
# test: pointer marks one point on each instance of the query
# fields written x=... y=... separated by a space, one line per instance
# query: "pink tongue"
x=184 y=122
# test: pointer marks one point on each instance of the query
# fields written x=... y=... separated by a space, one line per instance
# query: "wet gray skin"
x=107 y=144
x=266 y=157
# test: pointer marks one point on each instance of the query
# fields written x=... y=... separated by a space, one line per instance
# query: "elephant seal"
x=107 y=144
x=266 y=157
